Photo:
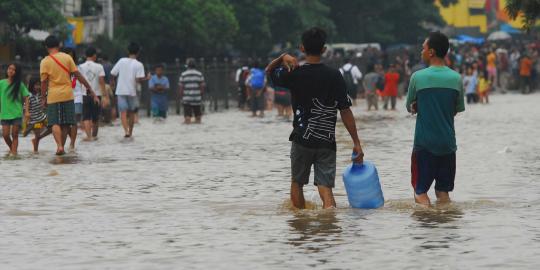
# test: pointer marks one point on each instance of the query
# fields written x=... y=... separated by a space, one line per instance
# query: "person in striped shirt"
x=191 y=86
x=38 y=119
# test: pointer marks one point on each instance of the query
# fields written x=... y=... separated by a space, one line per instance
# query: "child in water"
x=484 y=86
x=37 y=119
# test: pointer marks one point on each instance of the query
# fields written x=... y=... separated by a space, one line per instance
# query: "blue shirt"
x=163 y=81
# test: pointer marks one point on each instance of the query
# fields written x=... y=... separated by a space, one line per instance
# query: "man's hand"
x=289 y=62
x=414 y=108
x=44 y=103
x=358 y=154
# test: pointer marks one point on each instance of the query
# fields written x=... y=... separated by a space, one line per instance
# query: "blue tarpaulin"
x=469 y=39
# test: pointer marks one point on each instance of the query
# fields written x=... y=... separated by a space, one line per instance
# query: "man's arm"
x=411 y=96
x=104 y=93
x=89 y=90
x=26 y=108
x=348 y=120
x=286 y=60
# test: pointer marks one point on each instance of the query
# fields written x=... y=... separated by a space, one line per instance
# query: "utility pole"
x=110 y=19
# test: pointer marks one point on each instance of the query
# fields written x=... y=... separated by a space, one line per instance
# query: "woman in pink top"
x=391 y=81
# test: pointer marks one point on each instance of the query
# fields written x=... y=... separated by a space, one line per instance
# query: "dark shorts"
x=282 y=98
x=91 y=110
x=12 y=122
x=324 y=161
x=426 y=167
x=192 y=110
x=61 y=113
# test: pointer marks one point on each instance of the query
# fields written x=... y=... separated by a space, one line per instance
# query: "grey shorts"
x=12 y=122
x=78 y=108
x=128 y=103
x=324 y=161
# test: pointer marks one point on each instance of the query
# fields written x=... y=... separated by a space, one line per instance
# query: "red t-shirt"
x=391 y=81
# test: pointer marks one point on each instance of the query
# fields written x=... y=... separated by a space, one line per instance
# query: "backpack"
x=257 y=78
x=349 y=80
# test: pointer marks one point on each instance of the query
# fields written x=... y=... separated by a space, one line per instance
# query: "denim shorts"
x=128 y=103
x=12 y=122
x=322 y=159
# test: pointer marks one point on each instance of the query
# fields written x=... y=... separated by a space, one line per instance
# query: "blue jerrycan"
x=363 y=186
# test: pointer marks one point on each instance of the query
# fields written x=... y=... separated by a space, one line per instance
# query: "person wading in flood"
x=55 y=73
x=436 y=95
x=130 y=72
x=318 y=92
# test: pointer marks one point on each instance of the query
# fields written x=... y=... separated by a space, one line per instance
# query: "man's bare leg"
x=66 y=132
x=131 y=122
x=198 y=119
x=72 y=131
x=327 y=197
x=422 y=199
x=125 y=125
x=442 y=197
x=88 y=129
x=187 y=120
x=297 y=195
x=7 y=136
x=57 y=134
x=95 y=129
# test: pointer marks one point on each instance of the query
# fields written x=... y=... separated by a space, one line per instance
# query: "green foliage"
x=173 y=28
x=21 y=16
x=529 y=8
x=265 y=23
x=389 y=21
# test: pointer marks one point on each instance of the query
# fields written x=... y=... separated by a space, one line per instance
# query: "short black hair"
x=90 y=51
x=133 y=48
x=190 y=62
x=439 y=43
x=52 y=42
x=313 y=41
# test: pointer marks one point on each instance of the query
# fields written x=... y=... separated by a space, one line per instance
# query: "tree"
x=264 y=24
x=170 y=28
x=389 y=21
x=530 y=9
x=19 y=17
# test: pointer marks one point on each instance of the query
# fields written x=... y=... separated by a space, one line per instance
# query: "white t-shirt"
x=128 y=70
x=355 y=72
x=92 y=71
x=78 y=91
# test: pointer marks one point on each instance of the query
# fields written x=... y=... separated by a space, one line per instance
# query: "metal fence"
x=221 y=88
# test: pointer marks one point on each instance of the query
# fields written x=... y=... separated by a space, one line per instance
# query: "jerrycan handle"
x=353 y=157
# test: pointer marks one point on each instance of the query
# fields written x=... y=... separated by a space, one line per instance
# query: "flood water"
x=214 y=196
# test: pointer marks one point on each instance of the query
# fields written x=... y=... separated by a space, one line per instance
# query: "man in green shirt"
x=436 y=94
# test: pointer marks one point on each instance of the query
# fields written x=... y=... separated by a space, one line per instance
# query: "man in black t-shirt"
x=318 y=92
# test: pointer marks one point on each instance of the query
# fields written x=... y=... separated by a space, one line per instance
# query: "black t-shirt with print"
x=317 y=93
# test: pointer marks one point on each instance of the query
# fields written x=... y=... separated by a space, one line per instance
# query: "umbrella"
x=469 y=39
x=499 y=35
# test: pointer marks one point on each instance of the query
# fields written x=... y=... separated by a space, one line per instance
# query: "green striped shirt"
x=438 y=93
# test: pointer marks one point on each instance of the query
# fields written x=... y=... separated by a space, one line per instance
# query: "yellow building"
x=474 y=13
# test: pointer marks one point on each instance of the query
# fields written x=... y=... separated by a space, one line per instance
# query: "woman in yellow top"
x=484 y=86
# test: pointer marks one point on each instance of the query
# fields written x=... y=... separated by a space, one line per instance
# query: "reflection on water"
x=70 y=158
x=434 y=217
x=314 y=230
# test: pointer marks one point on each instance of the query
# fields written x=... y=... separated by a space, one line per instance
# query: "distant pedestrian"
x=370 y=86
x=390 y=93
x=470 y=83
x=192 y=87
x=13 y=94
x=126 y=74
x=159 y=88
x=37 y=121
x=352 y=75
x=56 y=71
x=95 y=75
x=256 y=84
x=525 y=73
x=242 y=74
